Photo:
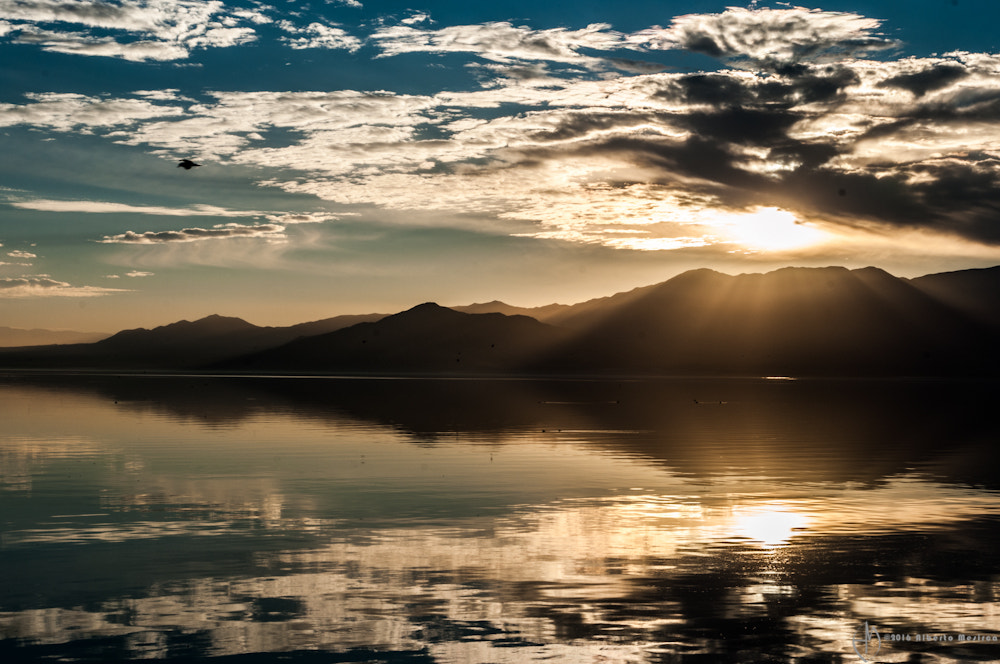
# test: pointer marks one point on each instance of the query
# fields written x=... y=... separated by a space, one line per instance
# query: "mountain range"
x=12 y=336
x=793 y=321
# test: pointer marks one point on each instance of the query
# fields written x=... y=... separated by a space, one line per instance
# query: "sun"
x=767 y=229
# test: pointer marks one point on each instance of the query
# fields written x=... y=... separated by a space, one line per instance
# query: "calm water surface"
x=339 y=520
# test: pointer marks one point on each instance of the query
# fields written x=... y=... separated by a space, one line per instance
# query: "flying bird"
x=187 y=164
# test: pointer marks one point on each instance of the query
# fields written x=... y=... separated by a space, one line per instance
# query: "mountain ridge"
x=790 y=321
x=448 y=340
x=180 y=345
x=13 y=337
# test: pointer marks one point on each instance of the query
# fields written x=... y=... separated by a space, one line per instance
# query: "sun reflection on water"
x=770 y=524
x=501 y=546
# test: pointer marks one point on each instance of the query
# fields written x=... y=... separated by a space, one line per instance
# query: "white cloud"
x=274 y=232
x=770 y=37
x=417 y=17
x=141 y=29
x=45 y=286
x=138 y=273
x=77 y=44
x=103 y=207
x=17 y=253
x=760 y=37
x=68 y=112
x=502 y=42
x=317 y=35
x=168 y=94
x=291 y=218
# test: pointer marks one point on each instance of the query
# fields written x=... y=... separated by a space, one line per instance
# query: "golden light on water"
x=771 y=525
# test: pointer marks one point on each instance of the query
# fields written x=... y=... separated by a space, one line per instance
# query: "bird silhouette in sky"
x=187 y=164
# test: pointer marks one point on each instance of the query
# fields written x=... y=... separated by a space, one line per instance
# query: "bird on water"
x=187 y=164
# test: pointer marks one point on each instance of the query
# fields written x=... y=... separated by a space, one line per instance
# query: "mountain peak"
x=218 y=319
x=428 y=311
x=427 y=306
x=182 y=331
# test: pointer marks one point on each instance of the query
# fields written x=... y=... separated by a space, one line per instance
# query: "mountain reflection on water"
x=376 y=520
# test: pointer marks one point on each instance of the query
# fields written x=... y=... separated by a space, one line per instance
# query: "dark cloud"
x=823 y=84
x=583 y=123
x=741 y=125
x=928 y=80
x=797 y=120
x=713 y=89
x=799 y=85
x=701 y=43
x=745 y=144
x=636 y=66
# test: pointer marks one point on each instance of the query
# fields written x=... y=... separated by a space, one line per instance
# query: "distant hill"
x=426 y=338
x=793 y=321
x=544 y=313
x=181 y=345
x=12 y=336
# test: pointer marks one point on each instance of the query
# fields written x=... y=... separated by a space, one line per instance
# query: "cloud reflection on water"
x=542 y=531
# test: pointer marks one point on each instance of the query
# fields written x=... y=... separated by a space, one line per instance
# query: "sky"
x=360 y=156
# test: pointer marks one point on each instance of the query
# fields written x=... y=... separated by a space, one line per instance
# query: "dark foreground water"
x=319 y=520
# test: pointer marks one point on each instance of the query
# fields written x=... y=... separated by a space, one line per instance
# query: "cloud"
x=273 y=230
x=317 y=35
x=502 y=42
x=758 y=38
x=770 y=38
x=416 y=17
x=45 y=286
x=219 y=232
x=65 y=112
x=140 y=30
x=795 y=119
x=291 y=218
x=138 y=273
x=81 y=44
x=906 y=151
x=921 y=80
x=17 y=253
x=103 y=207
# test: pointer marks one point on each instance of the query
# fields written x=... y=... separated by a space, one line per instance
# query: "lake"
x=260 y=519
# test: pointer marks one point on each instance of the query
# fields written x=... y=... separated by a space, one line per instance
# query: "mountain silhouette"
x=544 y=313
x=794 y=321
x=427 y=337
x=975 y=292
x=13 y=337
x=181 y=345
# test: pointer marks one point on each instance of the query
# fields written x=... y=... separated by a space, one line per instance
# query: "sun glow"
x=767 y=229
x=772 y=526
